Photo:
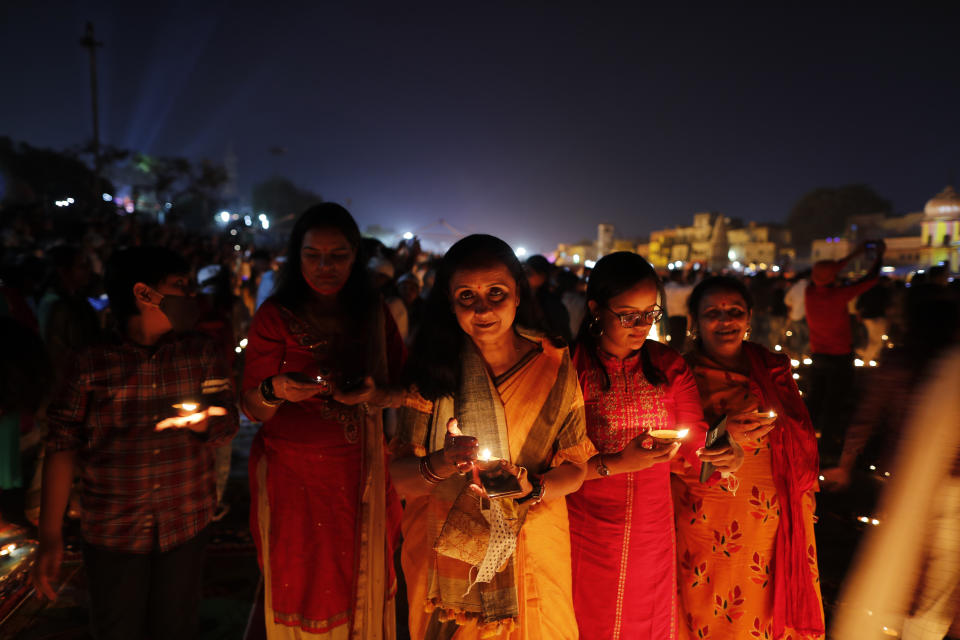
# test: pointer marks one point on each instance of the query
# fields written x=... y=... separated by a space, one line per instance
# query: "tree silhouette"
x=282 y=198
x=33 y=174
x=823 y=212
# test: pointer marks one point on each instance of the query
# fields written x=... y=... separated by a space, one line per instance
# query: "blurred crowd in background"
x=52 y=302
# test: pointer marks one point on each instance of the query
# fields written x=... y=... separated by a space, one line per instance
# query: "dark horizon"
x=532 y=123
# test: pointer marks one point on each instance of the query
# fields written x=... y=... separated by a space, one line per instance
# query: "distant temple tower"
x=604 y=239
x=940 y=229
x=719 y=245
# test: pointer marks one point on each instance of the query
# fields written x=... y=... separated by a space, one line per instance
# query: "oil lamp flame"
x=485 y=455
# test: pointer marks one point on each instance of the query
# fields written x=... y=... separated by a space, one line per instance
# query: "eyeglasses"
x=636 y=318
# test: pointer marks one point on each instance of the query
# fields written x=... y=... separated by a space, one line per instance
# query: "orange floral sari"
x=727 y=544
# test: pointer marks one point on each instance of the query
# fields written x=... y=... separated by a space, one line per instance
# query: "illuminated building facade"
x=916 y=240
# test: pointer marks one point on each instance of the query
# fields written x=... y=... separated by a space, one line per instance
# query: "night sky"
x=530 y=121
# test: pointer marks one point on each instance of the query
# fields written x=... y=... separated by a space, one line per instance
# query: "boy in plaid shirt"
x=148 y=483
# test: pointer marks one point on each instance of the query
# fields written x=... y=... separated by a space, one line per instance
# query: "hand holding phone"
x=502 y=479
x=717 y=438
x=296 y=386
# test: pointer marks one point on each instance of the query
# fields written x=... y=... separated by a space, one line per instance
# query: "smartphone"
x=300 y=376
x=321 y=380
x=717 y=438
x=352 y=383
x=500 y=484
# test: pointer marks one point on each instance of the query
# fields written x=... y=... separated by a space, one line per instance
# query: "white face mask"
x=503 y=542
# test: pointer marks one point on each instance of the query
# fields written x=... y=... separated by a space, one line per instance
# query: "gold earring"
x=595 y=328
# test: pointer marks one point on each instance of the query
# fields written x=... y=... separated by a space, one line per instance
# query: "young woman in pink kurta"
x=621 y=521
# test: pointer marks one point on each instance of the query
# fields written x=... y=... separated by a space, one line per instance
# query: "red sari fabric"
x=313 y=452
x=622 y=527
x=795 y=470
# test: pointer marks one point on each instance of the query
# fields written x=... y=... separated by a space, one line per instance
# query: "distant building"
x=920 y=239
x=604 y=239
x=719 y=241
x=941 y=229
x=572 y=255
x=713 y=239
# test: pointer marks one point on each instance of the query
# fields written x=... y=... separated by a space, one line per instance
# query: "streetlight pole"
x=90 y=43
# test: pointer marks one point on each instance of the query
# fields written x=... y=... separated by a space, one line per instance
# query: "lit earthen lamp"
x=486 y=461
x=186 y=408
x=495 y=480
x=668 y=436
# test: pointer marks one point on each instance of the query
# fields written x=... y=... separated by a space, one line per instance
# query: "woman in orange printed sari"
x=748 y=558
x=478 y=567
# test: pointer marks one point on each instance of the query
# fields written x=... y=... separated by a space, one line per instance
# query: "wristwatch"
x=536 y=494
x=602 y=470
x=266 y=390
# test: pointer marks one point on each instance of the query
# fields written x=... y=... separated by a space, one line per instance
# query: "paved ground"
x=231 y=575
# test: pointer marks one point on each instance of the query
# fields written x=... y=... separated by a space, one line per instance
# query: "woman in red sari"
x=748 y=559
x=323 y=513
x=621 y=520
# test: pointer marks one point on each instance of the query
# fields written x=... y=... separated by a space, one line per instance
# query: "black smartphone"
x=498 y=483
x=717 y=438
x=352 y=382
x=321 y=380
x=302 y=377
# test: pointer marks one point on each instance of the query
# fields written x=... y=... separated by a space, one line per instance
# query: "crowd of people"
x=549 y=454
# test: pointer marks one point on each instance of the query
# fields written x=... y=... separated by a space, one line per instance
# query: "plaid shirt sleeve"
x=67 y=413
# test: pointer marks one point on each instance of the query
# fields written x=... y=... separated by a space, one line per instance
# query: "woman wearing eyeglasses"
x=748 y=559
x=621 y=520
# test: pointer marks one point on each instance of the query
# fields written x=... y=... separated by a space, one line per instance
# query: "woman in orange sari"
x=478 y=567
x=747 y=556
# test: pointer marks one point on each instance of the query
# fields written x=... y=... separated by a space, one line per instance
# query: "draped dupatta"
x=795 y=466
x=373 y=615
x=480 y=413
x=531 y=415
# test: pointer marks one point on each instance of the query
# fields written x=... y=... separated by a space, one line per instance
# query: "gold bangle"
x=427 y=471
x=268 y=403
